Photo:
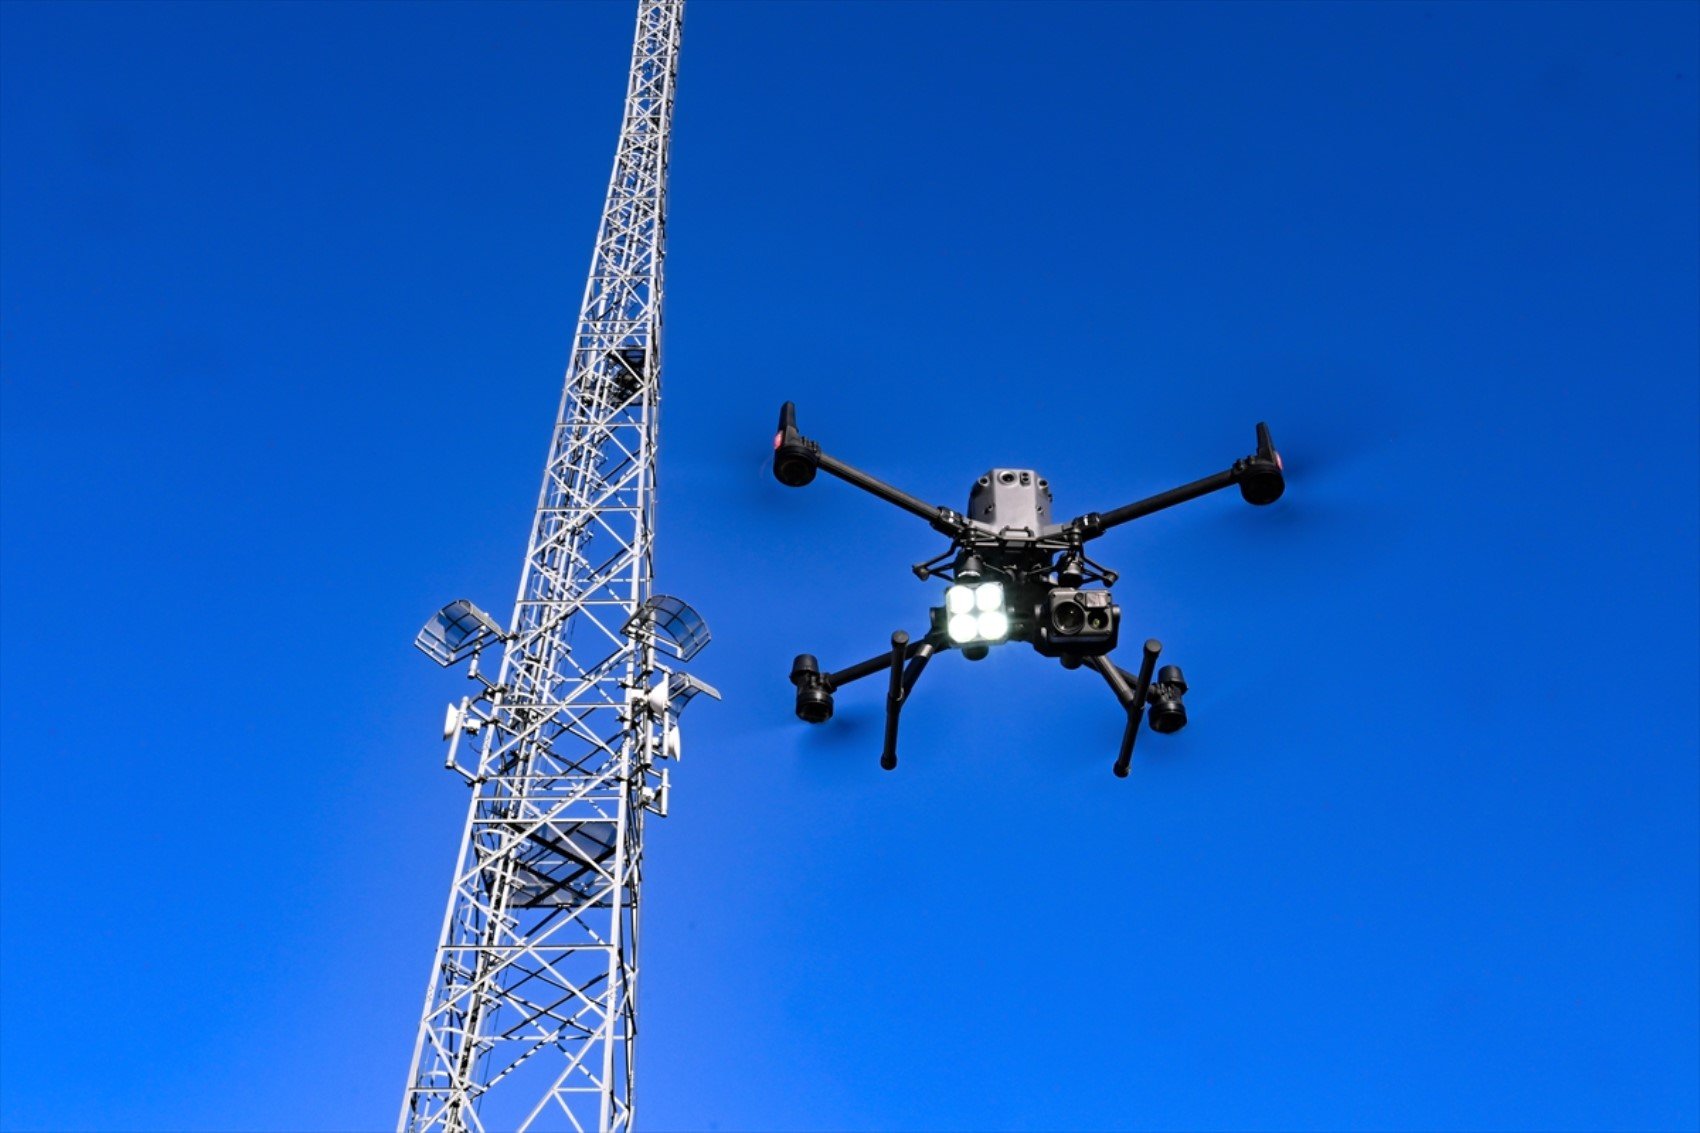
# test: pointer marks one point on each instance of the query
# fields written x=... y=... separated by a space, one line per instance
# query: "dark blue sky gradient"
x=285 y=294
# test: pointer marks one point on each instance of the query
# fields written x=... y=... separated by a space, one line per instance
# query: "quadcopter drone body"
x=1015 y=576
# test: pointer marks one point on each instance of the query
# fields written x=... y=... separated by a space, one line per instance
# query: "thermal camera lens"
x=1068 y=617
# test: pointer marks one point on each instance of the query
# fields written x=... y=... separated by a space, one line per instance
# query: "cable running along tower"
x=530 y=1016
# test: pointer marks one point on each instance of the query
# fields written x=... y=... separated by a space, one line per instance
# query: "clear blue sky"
x=285 y=294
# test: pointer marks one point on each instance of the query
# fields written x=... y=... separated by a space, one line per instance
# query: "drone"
x=1015 y=576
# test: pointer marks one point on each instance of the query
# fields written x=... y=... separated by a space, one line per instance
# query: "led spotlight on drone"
x=1015 y=576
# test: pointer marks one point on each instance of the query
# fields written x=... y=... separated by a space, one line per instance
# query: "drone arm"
x=796 y=459
x=857 y=671
x=1259 y=476
x=1132 y=697
x=880 y=661
x=1141 y=508
x=1121 y=682
x=832 y=466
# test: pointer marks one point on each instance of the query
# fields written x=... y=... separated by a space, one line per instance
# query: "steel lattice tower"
x=529 y=1019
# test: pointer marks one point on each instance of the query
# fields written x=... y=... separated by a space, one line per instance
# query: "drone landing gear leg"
x=902 y=680
x=1132 y=697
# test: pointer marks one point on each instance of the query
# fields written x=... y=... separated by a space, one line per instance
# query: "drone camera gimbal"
x=1015 y=576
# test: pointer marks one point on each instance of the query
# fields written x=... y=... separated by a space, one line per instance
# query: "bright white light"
x=993 y=625
x=989 y=596
x=959 y=599
x=962 y=627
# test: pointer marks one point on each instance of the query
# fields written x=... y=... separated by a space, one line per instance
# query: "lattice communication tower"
x=530 y=1016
